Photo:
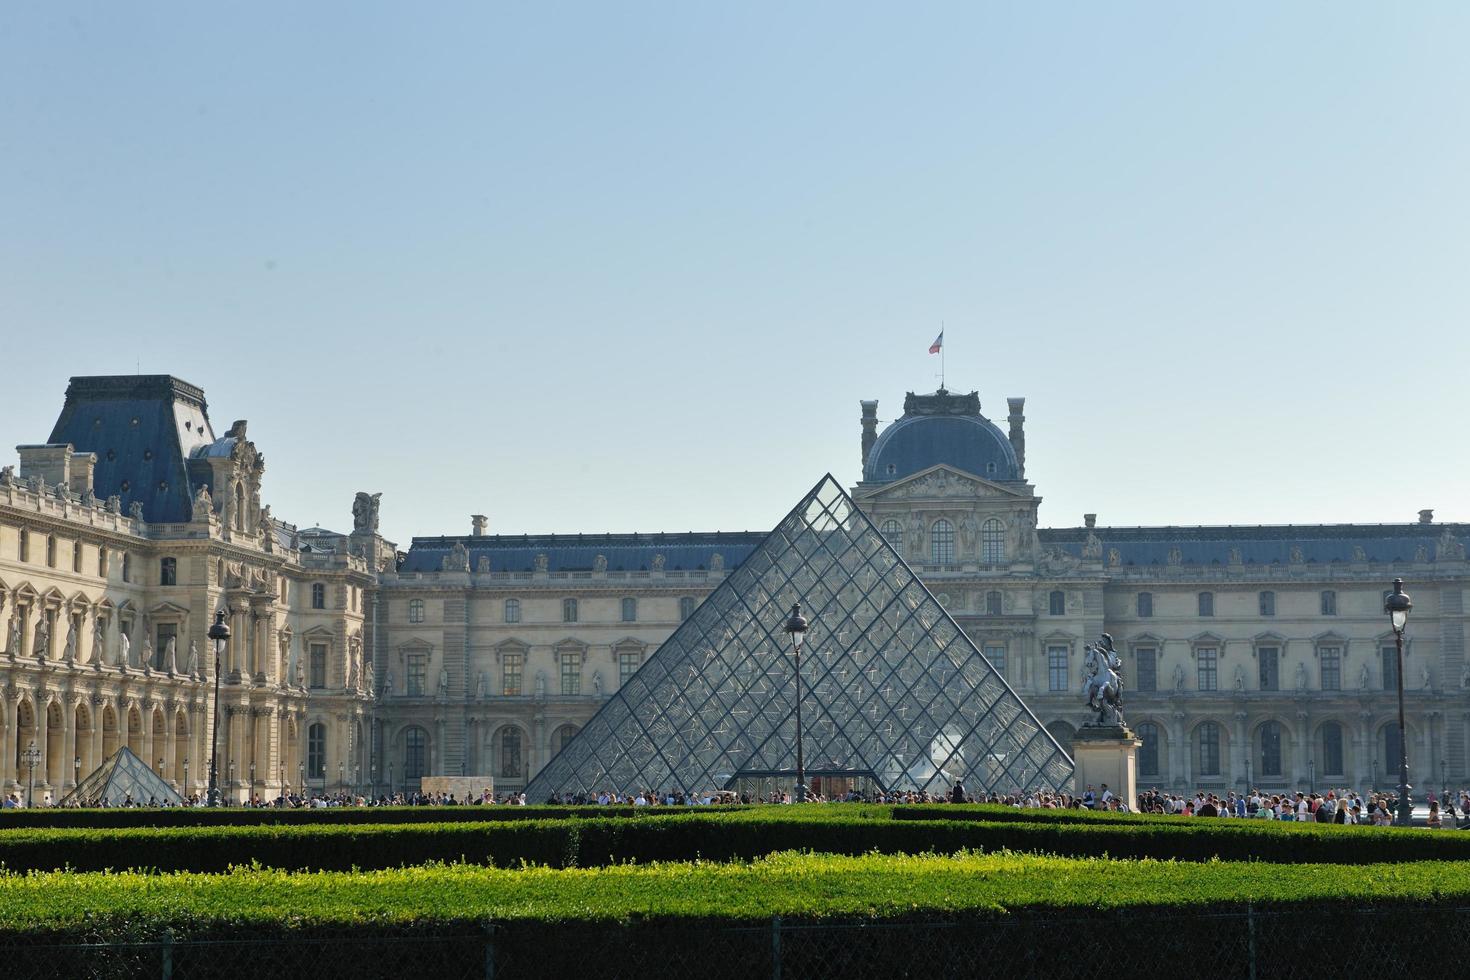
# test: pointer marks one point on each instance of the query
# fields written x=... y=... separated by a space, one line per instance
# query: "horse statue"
x=1102 y=681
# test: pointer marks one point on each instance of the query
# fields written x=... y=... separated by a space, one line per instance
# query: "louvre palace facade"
x=1253 y=655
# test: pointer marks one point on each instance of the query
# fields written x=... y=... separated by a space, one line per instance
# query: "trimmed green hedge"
x=711 y=836
x=252 y=817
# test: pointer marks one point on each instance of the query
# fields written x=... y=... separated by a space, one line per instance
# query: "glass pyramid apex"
x=892 y=688
x=121 y=780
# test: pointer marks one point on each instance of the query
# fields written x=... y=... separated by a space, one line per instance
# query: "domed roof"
x=941 y=428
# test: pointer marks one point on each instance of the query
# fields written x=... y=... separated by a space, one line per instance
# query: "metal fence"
x=1236 y=944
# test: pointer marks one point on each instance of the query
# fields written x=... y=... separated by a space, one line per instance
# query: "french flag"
x=938 y=344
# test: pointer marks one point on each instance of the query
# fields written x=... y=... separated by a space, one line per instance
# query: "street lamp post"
x=341 y=777
x=797 y=626
x=219 y=633
x=32 y=758
x=76 y=770
x=251 y=798
x=186 y=777
x=1312 y=776
x=1397 y=605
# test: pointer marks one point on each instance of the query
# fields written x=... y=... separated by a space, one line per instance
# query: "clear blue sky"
x=631 y=267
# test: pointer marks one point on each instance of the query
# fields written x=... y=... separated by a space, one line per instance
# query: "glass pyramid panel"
x=890 y=684
x=123 y=779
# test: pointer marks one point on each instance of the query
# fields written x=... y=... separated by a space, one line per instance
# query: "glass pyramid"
x=892 y=689
x=123 y=779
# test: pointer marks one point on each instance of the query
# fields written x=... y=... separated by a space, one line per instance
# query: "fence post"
x=775 y=947
x=167 y=950
x=1250 y=934
x=489 y=950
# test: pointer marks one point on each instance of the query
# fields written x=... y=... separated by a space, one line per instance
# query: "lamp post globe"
x=1397 y=606
x=219 y=633
x=32 y=758
x=797 y=626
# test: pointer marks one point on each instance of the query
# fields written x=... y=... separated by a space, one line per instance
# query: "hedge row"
x=252 y=816
x=709 y=836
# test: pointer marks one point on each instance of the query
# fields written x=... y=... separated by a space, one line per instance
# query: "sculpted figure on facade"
x=1178 y=677
x=599 y=563
x=1449 y=547
x=916 y=535
x=7 y=476
x=42 y=643
x=658 y=563
x=1359 y=554
x=1426 y=679
x=147 y=655
x=203 y=506
x=1092 y=547
x=113 y=504
x=1115 y=558
x=1465 y=676
x=458 y=559
x=543 y=563
x=124 y=649
x=597 y=683
x=388 y=681
x=1239 y=677
x=99 y=640
x=482 y=567
x=1235 y=557
x=192 y=667
x=135 y=510
x=1301 y=677
x=69 y=652
x=12 y=645
x=969 y=536
x=1176 y=557
x=717 y=562
x=482 y=686
x=1421 y=554
x=170 y=656
x=365 y=512
x=443 y=682
x=541 y=683
x=1363 y=678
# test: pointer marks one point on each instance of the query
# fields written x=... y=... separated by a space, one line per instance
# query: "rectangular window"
x=512 y=610
x=318 y=665
x=992 y=603
x=1332 y=749
x=1147 y=673
x=1145 y=605
x=318 y=596
x=23 y=549
x=168 y=571
x=686 y=607
x=630 y=610
x=1268 y=603
x=569 y=610
x=1331 y=658
x=1056 y=668
x=511 y=667
x=127 y=569
x=76 y=557
x=102 y=562
x=628 y=662
x=996 y=654
x=1057 y=603
x=1269 y=660
x=1207 y=603
x=1329 y=603
x=415 y=610
x=1209 y=749
x=571 y=674
x=1390 y=668
x=418 y=671
x=1207 y=668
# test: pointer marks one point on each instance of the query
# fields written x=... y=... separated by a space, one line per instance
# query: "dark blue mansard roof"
x=1260 y=545
x=576 y=552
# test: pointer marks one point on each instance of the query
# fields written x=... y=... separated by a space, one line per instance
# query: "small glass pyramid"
x=123 y=779
x=893 y=691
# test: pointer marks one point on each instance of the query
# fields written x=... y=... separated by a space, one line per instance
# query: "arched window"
x=941 y=542
x=1148 y=752
x=318 y=595
x=992 y=542
x=512 y=610
x=563 y=735
x=1207 y=749
x=1145 y=605
x=1270 y=760
x=1331 y=749
x=1207 y=603
x=1056 y=604
x=415 y=753
x=316 y=751
x=1391 y=751
x=569 y=610
x=992 y=603
x=168 y=571
x=510 y=753
x=892 y=531
x=415 y=609
x=686 y=607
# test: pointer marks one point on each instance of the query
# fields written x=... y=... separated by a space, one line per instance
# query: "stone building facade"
x=1252 y=654
x=119 y=539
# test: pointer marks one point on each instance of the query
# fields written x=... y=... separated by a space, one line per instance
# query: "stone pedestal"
x=1107 y=754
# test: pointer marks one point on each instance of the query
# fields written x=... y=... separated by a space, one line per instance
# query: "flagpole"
x=941 y=355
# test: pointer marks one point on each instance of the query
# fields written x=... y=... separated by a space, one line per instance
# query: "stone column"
x=1240 y=751
x=8 y=738
x=1304 y=755
x=69 y=746
x=96 y=735
x=1178 y=751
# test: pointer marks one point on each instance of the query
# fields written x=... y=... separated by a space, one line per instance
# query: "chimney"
x=870 y=428
x=477 y=525
x=1090 y=520
x=51 y=462
x=82 y=465
x=1426 y=516
x=1018 y=433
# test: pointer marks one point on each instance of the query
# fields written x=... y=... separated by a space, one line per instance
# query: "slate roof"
x=576 y=552
x=941 y=427
x=143 y=429
x=1260 y=545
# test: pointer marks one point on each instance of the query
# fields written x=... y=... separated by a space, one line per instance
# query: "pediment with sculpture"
x=943 y=482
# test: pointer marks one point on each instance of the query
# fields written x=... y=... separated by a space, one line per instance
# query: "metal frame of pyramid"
x=891 y=686
x=122 y=777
